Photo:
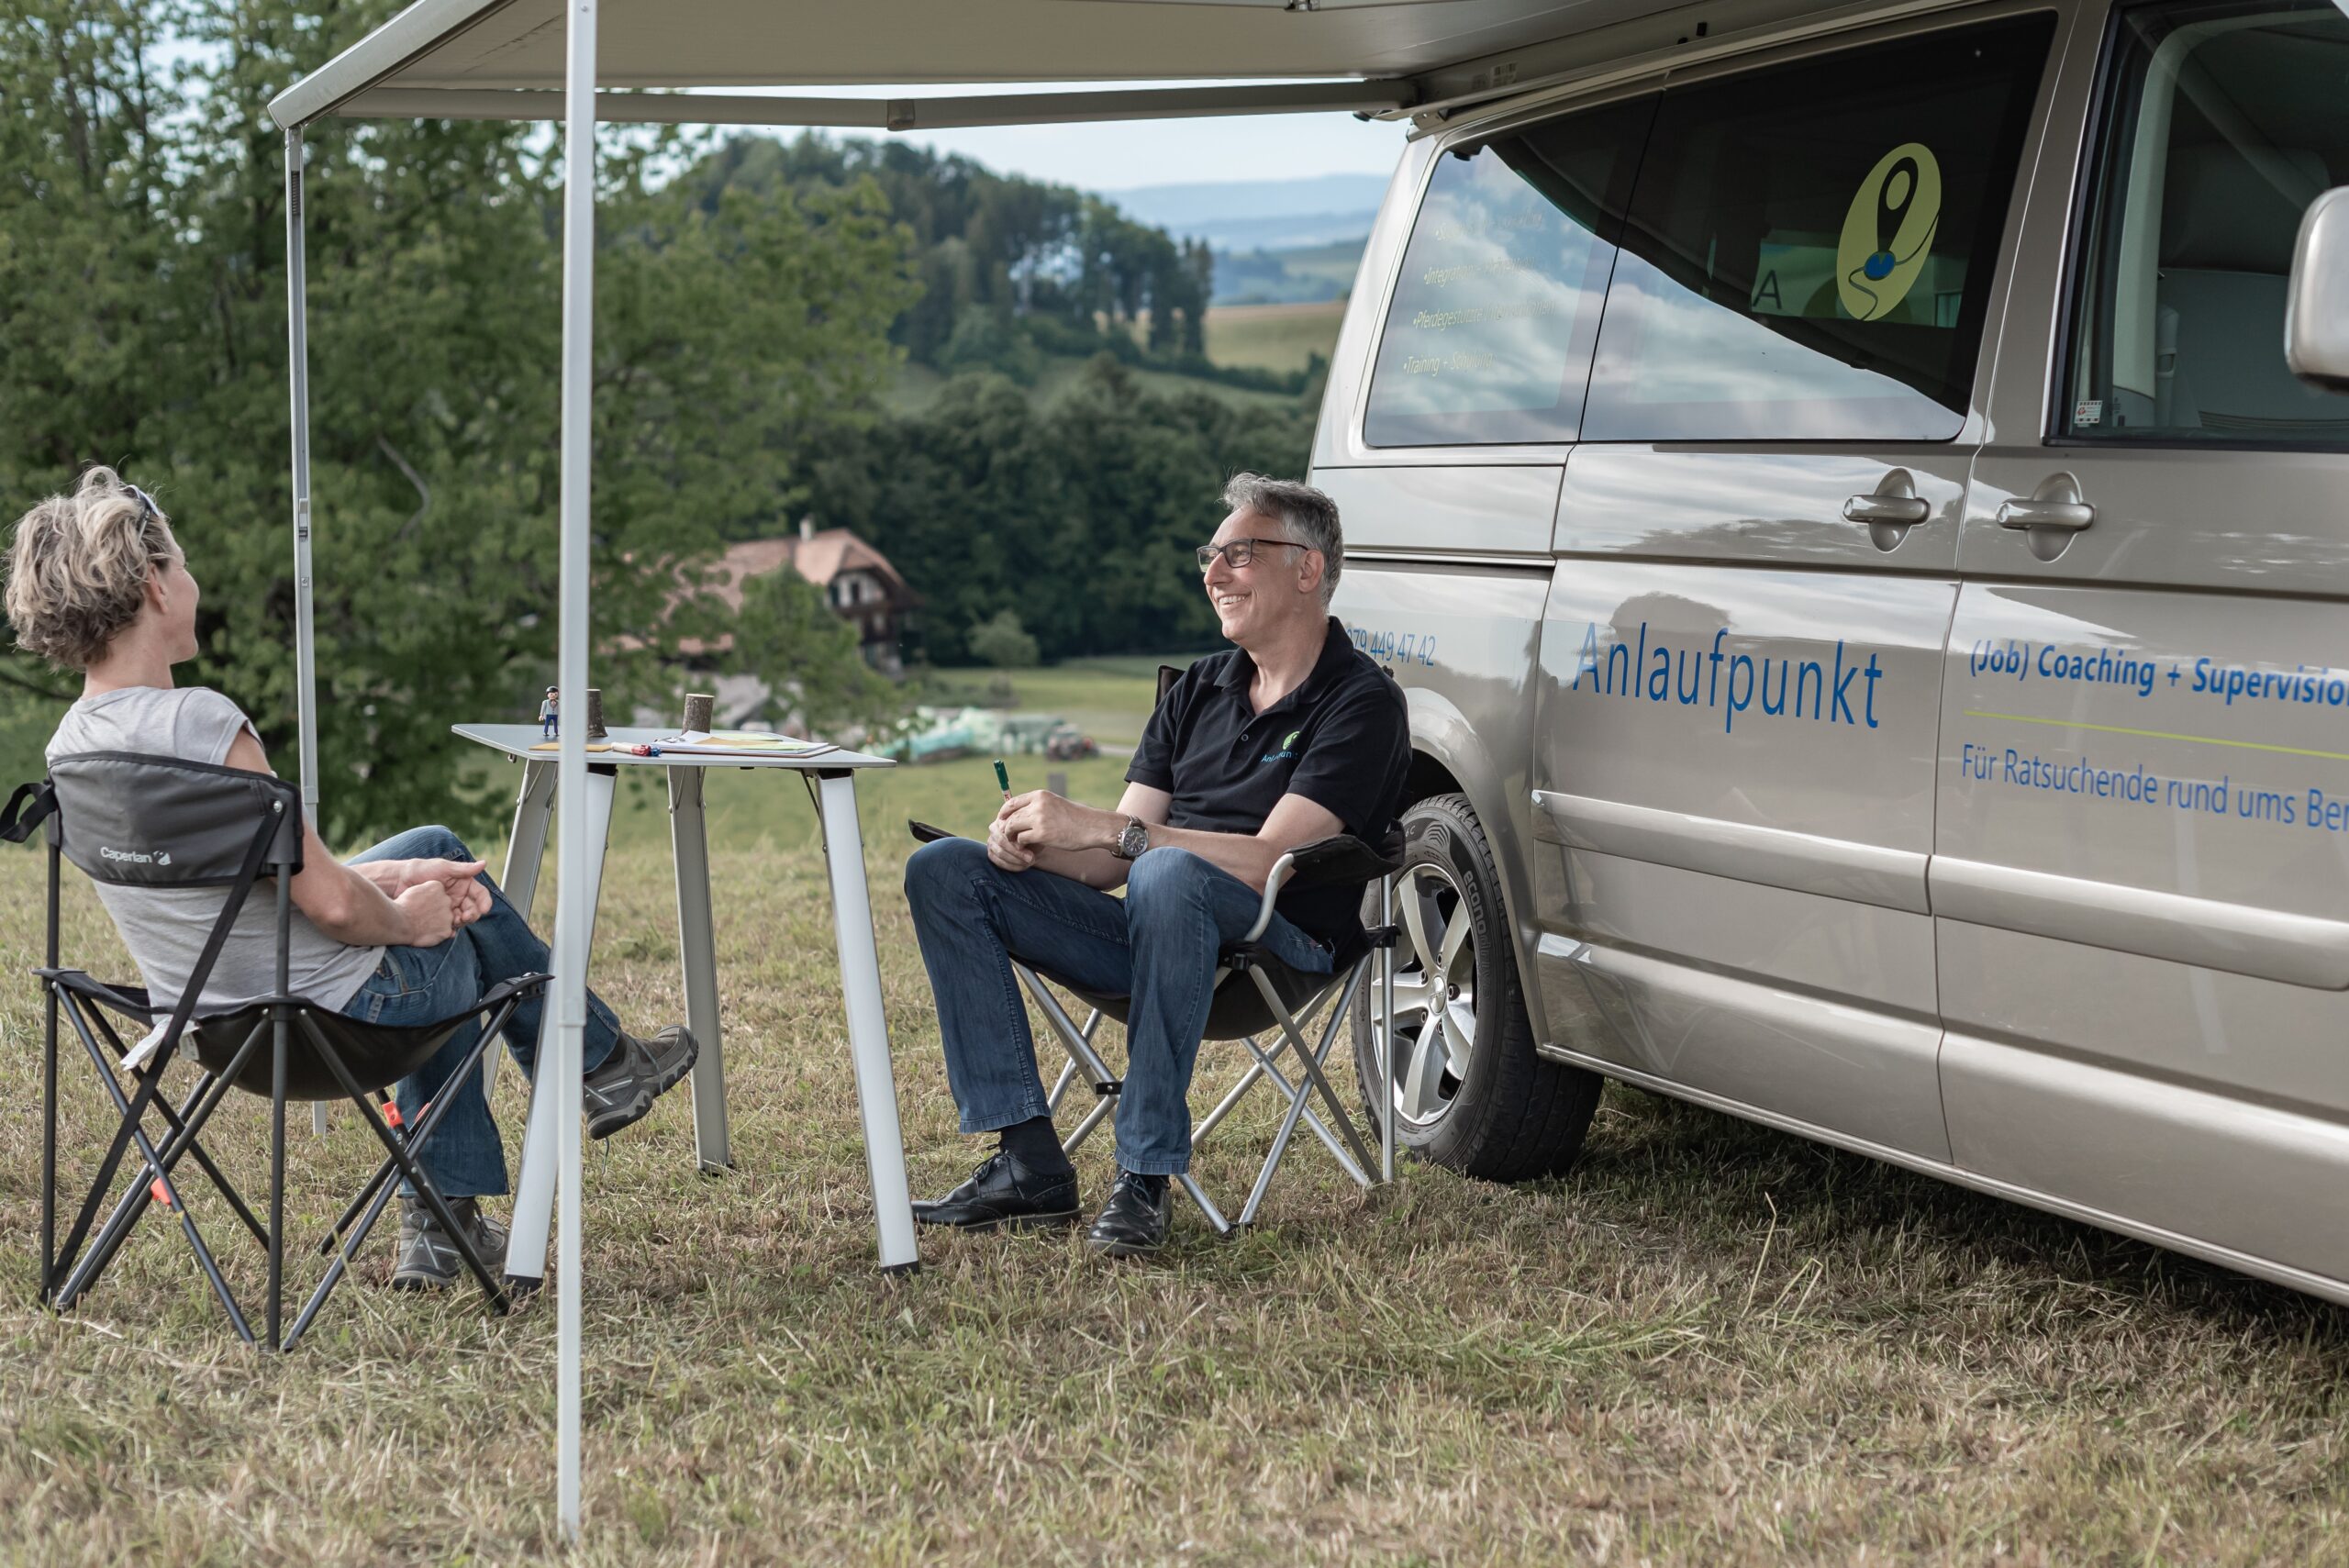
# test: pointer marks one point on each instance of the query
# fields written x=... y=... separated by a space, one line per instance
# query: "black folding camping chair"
x=134 y=822
x=1256 y=994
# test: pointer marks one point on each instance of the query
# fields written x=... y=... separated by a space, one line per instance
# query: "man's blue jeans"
x=420 y=985
x=1157 y=945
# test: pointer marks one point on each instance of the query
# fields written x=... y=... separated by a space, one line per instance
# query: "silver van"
x=1875 y=604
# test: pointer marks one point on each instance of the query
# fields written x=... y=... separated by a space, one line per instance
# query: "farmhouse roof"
x=819 y=557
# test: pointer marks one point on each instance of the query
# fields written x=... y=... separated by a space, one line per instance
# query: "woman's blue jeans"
x=465 y=1156
x=1157 y=945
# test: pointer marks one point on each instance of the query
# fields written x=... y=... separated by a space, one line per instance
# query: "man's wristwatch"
x=1133 y=839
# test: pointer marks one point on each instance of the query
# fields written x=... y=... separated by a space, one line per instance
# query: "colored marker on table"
x=1003 y=777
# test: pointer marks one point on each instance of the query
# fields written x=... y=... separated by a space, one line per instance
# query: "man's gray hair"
x=1306 y=514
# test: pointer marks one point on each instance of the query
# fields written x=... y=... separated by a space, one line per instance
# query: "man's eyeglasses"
x=1240 y=552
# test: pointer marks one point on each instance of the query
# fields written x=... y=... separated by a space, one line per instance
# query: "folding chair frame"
x=1346 y=1144
x=67 y=1271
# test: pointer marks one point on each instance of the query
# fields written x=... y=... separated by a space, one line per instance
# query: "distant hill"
x=1300 y=275
x=1013 y=271
x=1259 y=215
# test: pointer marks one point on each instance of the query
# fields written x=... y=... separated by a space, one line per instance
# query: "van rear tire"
x=1510 y=1116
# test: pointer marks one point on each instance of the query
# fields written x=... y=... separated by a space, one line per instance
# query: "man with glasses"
x=1292 y=737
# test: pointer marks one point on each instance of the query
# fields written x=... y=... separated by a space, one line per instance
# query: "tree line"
x=998 y=257
x=1079 y=516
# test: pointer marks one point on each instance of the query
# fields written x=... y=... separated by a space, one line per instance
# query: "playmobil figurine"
x=548 y=715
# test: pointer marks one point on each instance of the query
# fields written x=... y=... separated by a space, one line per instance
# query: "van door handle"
x=2056 y=505
x=1902 y=511
x=2069 y=515
x=1889 y=510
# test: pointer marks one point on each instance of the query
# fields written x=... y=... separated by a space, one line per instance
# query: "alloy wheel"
x=1435 y=994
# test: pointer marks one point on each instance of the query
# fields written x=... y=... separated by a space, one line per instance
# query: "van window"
x=1810 y=248
x=1489 y=335
x=2222 y=123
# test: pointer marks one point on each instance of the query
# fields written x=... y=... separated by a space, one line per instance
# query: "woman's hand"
x=468 y=899
x=430 y=917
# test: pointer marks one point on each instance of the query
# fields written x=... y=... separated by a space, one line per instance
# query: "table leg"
x=697 y=951
x=526 y=1246
x=868 y=1031
x=525 y=848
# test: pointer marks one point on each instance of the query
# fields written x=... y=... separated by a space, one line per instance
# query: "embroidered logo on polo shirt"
x=1287 y=749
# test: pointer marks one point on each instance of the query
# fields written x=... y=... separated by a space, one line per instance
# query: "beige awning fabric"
x=1372 y=55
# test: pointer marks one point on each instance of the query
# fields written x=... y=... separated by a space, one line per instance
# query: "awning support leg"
x=574 y=918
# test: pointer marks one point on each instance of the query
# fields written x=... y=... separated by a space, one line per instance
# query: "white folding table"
x=868 y=1035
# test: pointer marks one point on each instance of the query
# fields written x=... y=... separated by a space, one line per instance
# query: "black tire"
x=1513 y=1117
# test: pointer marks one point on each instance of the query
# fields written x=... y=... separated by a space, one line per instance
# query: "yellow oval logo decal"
x=1889 y=231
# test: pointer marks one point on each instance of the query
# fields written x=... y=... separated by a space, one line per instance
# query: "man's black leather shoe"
x=1135 y=1220
x=1002 y=1191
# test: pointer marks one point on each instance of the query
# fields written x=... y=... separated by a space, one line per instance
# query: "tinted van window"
x=1810 y=249
x=2221 y=124
x=1488 y=338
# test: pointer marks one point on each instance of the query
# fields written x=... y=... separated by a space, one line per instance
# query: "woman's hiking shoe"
x=429 y=1259
x=636 y=1072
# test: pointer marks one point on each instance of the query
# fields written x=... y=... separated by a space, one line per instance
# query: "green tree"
x=143 y=277
x=787 y=636
x=1002 y=641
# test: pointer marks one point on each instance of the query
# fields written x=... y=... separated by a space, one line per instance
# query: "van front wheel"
x=1467 y=1090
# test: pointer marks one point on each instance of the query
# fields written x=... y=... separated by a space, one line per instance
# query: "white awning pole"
x=297 y=361
x=573 y=920
x=297 y=337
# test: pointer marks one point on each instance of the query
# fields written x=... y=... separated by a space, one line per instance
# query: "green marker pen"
x=1003 y=777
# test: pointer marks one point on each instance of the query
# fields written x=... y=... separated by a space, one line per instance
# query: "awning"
x=504 y=59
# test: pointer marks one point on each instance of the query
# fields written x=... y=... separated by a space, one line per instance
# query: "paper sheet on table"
x=741 y=743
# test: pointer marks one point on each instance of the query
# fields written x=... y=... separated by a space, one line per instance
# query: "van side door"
x=1455 y=391
x=1757 y=539
x=2140 y=883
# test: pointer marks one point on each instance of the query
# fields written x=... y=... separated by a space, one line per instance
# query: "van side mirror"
x=2315 y=311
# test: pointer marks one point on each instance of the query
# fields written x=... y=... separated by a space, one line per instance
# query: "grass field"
x=1108 y=699
x=1710 y=1344
x=1273 y=337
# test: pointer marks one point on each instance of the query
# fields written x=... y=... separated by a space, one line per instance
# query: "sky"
x=1118 y=155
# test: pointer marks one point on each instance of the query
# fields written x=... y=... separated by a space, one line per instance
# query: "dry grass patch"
x=1712 y=1344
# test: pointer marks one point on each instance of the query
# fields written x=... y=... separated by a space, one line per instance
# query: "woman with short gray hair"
x=410 y=932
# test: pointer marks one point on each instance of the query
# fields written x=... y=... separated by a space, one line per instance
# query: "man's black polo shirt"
x=1341 y=740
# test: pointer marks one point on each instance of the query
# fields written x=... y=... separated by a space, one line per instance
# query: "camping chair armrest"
x=1336 y=859
x=520 y=985
x=128 y=1001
